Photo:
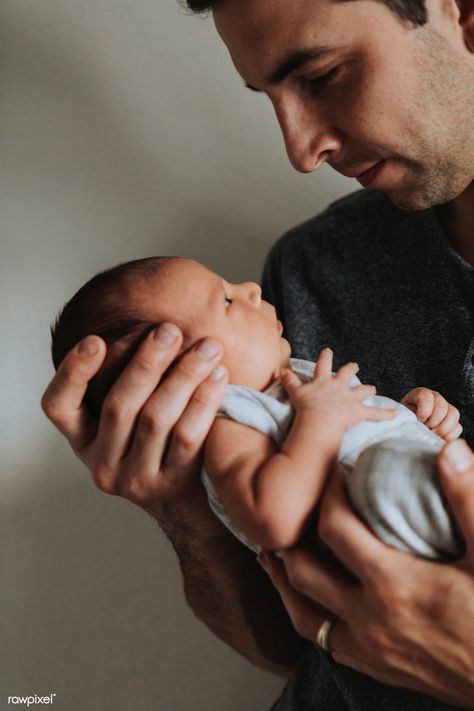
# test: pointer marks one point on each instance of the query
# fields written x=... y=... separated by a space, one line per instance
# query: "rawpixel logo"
x=31 y=700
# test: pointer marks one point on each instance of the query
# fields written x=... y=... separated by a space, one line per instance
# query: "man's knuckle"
x=203 y=397
x=327 y=527
x=297 y=575
x=143 y=364
x=439 y=597
x=393 y=598
x=152 y=423
x=185 y=370
x=46 y=403
x=115 y=409
x=104 y=480
x=52 y=408
x=184 y=439
x=378 y=638
x=132 y=489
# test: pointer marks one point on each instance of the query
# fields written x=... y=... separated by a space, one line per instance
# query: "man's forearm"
x=228 y=591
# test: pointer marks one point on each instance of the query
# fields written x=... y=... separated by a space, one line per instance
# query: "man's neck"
x=457 y=220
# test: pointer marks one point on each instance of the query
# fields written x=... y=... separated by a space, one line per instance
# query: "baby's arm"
x=270 y=495
x=435 y=412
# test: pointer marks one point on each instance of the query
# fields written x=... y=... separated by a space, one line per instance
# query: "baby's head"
x=123 y=304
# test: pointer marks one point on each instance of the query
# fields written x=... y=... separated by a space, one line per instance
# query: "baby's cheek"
x=239 y=361
x=269 y=355
x=251 y=367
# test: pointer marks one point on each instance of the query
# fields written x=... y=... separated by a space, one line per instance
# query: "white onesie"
x=392 y=477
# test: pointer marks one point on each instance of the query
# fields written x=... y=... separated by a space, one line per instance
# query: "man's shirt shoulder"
x=352 y=223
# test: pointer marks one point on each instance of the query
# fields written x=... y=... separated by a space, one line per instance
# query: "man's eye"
x=323 y=80
x=227 y=302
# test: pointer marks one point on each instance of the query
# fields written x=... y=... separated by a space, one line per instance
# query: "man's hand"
x=435 y=412
x=400 y=619
x=147 y=444
x=146 y=448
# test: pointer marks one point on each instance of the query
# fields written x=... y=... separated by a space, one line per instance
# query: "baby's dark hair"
x=101 y=307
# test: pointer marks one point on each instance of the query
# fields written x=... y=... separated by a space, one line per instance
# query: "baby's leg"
x=395 y=488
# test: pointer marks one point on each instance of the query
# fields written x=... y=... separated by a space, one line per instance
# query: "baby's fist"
x=435 y=411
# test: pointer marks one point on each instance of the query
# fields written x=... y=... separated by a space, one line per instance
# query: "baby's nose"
x=254 y=292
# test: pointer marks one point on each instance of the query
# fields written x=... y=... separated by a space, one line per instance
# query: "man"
x=382 y=90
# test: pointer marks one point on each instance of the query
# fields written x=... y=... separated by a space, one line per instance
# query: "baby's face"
x=201 y=303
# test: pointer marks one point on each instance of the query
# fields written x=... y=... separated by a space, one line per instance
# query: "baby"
x=284 y=423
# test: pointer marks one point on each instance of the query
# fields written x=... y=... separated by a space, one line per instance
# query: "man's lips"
x=361 y=175
x=369 y=178
x=279 y=327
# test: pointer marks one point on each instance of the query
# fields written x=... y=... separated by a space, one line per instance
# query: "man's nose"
x=309 y=140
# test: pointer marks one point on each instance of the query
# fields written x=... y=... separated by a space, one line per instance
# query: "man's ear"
x=466 y=21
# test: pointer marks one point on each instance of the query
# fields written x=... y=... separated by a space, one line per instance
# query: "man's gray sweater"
x=386 y=289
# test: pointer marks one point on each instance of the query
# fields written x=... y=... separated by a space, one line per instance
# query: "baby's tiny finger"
x=347 y=372
x=454 y=434
x=378 y=413
x=364 y=391
x=324 y=363
x=449 y=422
x=440 y=411
x=425 y=403
x=290 y=380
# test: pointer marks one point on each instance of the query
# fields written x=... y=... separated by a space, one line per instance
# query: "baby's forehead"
x=179 y=291
x=178 y=269
x=178 y=276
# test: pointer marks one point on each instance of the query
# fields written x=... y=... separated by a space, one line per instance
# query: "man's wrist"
x=188 y=523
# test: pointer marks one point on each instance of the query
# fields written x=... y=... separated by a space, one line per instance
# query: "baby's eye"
x=227 y=302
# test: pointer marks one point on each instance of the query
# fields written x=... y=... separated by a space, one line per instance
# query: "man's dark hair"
x=413 y=11
x=102 y=307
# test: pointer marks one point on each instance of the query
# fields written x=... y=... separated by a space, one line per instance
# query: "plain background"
x=125 y=132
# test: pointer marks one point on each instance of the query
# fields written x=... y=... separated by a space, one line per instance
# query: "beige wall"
x=125 y=132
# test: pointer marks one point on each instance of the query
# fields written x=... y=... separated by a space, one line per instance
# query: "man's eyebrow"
x=292 y=62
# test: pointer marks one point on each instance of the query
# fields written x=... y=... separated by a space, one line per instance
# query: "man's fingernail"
x=458 y=456
x=166 y=334
x=88 y=347
x=207 y=349
x=218 y=373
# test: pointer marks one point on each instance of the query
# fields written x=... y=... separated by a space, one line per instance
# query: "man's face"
x=353 y=86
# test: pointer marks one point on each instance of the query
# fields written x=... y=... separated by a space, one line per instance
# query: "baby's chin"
x=285 y=352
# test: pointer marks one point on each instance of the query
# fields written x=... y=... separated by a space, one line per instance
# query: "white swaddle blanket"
x=391 y=468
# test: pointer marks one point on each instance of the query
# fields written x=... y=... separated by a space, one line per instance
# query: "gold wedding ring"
x=322 y=636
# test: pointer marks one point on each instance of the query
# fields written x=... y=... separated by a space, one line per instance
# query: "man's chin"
x=415 y=197
x=409 y=202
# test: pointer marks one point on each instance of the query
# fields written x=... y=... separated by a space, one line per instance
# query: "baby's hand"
x=330 y=395
x=431 y=408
